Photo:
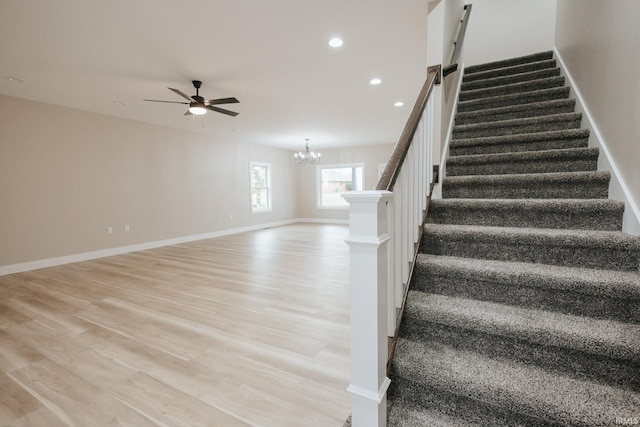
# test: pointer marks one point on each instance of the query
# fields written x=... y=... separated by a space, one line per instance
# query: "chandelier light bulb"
x=307 y=156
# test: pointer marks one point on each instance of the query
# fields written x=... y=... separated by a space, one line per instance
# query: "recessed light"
x=375 y=81
x=335 y=42
x=14 y=79
x=399 y=104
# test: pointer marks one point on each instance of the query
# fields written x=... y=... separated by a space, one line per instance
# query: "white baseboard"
x=86 y=256
x=323 y=221
x=618 y=189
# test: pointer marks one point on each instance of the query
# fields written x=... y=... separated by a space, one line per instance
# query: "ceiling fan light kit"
x=198 y=105
x=197 y=109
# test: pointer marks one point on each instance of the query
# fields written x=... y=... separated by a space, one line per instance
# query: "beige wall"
x=598 y=42
x=371 y=156
x=65 y=175
x=501 y=29
x=443 y=28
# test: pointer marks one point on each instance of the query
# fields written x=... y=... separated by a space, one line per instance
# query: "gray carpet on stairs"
x=545 y=140
x=524 y=305
x=545 y=108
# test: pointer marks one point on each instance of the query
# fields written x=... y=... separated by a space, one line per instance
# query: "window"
x=335 y=180
x=260 y=176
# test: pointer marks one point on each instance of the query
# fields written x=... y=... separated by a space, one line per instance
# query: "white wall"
x=453 y=13
x=598 y=43
x=501 y=29
x=65 y=175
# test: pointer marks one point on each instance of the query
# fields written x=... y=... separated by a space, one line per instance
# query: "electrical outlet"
x=109 y=230
x=127 y=228
x=230 y=216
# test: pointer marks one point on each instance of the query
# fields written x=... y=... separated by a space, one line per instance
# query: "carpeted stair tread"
x=511 y=78
x=576 y=248
x=600 y=337
x=539 y=95
x=534 y=109
x=402 y=414
x=512 y=88
x=602 y=294
x=568 y=138
x=518 y=126
x=569 y=345
x=589 y=214
x=604 y=283
x=555 y=185
x=510 y=62
x=443 y=410
x=523 y=388
x=514 y=69
x=545 y=161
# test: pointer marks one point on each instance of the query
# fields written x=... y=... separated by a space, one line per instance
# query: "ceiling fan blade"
x=188 y=113
x=181 y=93
x=221 y=110
x=169 y=102
x=231 y=100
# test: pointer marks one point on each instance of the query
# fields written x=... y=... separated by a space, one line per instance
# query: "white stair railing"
x=384 y=234
x=385 y=227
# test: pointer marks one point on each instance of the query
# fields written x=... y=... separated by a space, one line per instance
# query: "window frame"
x=267 y=167
x=319 y=169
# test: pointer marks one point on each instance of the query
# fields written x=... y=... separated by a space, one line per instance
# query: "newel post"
x=368 y=242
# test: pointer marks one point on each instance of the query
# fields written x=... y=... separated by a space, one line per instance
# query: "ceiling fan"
x=198 y=105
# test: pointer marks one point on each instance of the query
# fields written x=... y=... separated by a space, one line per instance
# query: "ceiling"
x=107 y=56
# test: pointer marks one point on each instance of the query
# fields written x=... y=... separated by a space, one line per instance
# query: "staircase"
x=524 y=306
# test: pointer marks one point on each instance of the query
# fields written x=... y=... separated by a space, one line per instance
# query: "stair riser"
x=515 y=128
x=557 y=190
x=544 y=252
x=462 y=119
x=516 y=147
x=576 y=219
x=540 y=166
x=519 y=69
x=511 y=79
x=517 y=99
x=542 y=296
x=568 y=362
x=517 y=88
x=528 y=59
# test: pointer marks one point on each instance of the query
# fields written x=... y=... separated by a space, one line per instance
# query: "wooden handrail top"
x=457 y=50
x=394 y=165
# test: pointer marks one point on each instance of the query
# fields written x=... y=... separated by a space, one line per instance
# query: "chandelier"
x=307 y=156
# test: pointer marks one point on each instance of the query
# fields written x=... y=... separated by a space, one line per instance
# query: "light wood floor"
x=249 y=329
